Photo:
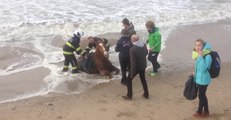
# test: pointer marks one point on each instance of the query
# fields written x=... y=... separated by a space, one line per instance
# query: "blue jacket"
x=202 y=65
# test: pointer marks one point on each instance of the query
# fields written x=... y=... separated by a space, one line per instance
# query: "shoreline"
x=166 y=94
x=22 y=83
x=166 y=101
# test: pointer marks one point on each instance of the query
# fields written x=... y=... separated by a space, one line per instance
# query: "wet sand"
x=22 y=83
x=166 y=101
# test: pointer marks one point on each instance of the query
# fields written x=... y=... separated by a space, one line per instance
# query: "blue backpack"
x=215 y=65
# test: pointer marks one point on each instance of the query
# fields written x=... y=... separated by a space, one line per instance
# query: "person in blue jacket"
x=202 y=65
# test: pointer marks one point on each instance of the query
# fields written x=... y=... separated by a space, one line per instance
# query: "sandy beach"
x=104 y=101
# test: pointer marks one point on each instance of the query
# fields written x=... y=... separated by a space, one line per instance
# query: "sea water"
x=28 y=27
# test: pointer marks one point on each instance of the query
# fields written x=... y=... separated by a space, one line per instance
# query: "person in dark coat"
x=94 y=41
x=123 y=46
x=128 y=26
x=71 y=46
x=138 y=53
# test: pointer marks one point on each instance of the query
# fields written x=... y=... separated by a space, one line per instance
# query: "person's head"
x=134 y=38
x=125 y=33
x=150 y=25
x=199 y=45
x=78 y=33
x=126 y=23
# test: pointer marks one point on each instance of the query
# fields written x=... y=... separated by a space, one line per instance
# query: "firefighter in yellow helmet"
x=68 y=51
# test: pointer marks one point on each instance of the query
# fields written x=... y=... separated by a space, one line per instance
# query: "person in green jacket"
x=203 y=61
x=154 y=45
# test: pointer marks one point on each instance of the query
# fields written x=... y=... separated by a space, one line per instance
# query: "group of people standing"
x=132 y=59
x=133 y=52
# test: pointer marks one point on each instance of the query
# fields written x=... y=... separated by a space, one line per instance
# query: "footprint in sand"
x=181 y=100
x=221 y=116
x=59 y=117
x=50 y=107
x=102 y=101
x=126 y=114
x=103 y=109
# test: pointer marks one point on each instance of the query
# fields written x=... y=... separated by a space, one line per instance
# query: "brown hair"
x=150 y=24
x=124 y=32
x=201 y=41
x=125 y=21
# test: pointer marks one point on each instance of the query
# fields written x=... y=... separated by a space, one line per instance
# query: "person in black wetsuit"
x=123 y=46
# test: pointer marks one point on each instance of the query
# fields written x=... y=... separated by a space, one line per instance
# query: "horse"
x=97 y=63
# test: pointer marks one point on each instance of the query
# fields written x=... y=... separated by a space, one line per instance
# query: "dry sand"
x=104 y=102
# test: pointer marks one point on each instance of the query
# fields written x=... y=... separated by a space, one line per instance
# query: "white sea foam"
x=27 y=27
x=97 y=17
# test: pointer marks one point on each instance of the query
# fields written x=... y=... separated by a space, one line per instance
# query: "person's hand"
x=192 y=74
x=149 y=49
x=81 y=57
x=200 y=53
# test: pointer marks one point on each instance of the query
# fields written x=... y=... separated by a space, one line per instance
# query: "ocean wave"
x=92 y=15
x=19 y=57
x=28 y=28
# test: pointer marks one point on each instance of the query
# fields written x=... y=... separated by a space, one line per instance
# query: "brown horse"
x=103 y=65
x=97 y=63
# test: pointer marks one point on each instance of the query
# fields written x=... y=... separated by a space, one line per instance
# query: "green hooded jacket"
x=154 y=40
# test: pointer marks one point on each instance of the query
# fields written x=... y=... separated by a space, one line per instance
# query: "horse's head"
x=103 y=64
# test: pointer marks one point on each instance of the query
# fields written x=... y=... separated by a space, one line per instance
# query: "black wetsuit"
x=123 y=46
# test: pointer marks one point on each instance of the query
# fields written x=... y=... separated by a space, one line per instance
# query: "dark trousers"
x=70 y=59
x=125 y=66
x=203 y=101
x=143 y=81
x=152 y=57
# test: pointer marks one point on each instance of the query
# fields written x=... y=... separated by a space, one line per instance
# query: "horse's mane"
x=102 y=63
x=100 y=57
